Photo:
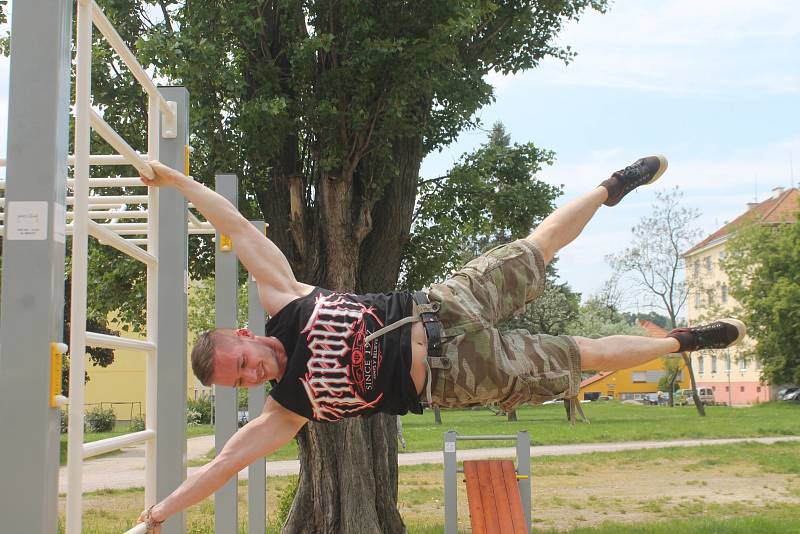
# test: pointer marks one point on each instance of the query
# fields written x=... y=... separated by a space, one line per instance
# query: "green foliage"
x=193 y=418
x=201 y=406
x=762 y=266
x=491 y=196
x=202 y=311
x=285 y=500
x=597 y=319
x=137 y=424
x=100 y=420
x=64 y=421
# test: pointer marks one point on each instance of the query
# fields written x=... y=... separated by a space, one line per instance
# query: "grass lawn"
x=122 y=428
x=740 y=488
x=609 y=422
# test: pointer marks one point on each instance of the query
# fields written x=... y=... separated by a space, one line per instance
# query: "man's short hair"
x=203 y=355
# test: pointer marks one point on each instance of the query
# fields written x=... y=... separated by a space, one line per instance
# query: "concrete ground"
x=126 y=468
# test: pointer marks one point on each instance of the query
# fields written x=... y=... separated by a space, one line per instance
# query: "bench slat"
x=495 y=505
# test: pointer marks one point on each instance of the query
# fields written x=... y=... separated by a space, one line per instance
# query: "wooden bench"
x=495 y=506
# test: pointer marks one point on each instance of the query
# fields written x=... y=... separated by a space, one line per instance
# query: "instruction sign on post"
x=27 y=220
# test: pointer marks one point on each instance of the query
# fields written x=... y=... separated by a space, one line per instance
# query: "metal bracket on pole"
x=169 y=124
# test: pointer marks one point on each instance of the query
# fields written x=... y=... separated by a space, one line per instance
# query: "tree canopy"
x=762 y=266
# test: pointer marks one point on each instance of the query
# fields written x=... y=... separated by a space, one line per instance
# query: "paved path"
x=126 y=469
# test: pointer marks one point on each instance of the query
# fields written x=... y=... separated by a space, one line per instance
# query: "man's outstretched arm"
x=260 y=256
x=263 y=435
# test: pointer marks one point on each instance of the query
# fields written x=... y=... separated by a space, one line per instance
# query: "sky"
x=712 y=84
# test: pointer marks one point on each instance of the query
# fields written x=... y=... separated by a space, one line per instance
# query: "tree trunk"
x=437 y=415
x=687 y=359
x=512 y=415
x=348 y=478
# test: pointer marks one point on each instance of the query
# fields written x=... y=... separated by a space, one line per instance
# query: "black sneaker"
x=642 y=171
x=717 y=335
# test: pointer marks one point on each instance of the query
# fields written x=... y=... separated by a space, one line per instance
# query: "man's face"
x=242 y=360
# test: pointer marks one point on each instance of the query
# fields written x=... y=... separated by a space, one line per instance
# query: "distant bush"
x=100 y=420
x=64 y=421
x=137 y=424
x=201 y=406
x=193 y=417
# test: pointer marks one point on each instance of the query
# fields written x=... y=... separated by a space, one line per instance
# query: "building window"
x=696 y=268
x=700 y=364
x=713 y=388
x=724 y=294
x=741 y=389
x=698 y=299
x=727 y=363
x=709 y=264
x=639 y=377
x=722 y=256
x=713 y=363
x=743 y=364
x=712 y=297
x=727 y=388
x=758 y=389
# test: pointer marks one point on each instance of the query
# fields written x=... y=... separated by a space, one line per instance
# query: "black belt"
x=428 y=314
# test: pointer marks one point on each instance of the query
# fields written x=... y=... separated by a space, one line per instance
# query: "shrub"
x=201 y=406
x=64 y=422
x=100 y=420
x=137 y=424
x=285 y=500
x=193 y=418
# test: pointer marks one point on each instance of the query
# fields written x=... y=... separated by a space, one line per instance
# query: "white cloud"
x=711 y=48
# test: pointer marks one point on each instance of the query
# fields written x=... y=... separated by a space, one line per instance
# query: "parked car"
x=793 y=396
x=684 y=397
x=242 y=418
x=784 y=392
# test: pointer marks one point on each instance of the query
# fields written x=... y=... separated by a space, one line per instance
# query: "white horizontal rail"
x=116 y=42
x=100 y=182
x=114 y=214
x=194 y=221
x=105 y=159
x=108 y=237
x=126 y=181
x=113 y=342
x=141 y=528
x=96 y=201
x=119 y=144
x=101 y=446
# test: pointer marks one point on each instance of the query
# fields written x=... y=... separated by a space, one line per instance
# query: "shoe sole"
x=663 y=164
x=740 y=327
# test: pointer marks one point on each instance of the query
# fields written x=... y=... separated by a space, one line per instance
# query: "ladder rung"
x=101 y=446
x=113 y=342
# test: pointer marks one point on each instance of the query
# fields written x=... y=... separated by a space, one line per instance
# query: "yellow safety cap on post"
x=186 y=151
x=225 y=243
x=522 y=477
x=266 y=229
x=56 y=350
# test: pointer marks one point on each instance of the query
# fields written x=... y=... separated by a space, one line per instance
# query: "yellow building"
x=121 y=385
x=636 y=382
x=734 y=377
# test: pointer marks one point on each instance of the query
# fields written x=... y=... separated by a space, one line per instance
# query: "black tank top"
x=331 y=372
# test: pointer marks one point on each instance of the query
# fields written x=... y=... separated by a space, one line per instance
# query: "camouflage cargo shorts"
x=489 y=366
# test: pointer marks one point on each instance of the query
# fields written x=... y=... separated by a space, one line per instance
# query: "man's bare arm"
x=260 y=256
x=263 y=435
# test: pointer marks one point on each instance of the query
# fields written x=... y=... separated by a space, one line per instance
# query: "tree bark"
x=348 y=478
x=687 y=359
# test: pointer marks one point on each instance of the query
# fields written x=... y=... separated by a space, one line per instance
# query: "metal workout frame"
x=33 y=269
x=451 y=437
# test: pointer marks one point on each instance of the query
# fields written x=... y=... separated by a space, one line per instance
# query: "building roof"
x=594 y=378
x=653 y=330
x=780 y=208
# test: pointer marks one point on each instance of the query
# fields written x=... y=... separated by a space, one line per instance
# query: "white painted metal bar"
x=94 y=201
x=114 y=214
x=116 y=42
x=151 y=389
x=104 y=159
x=119 y=144
x=108 y=237
x=102 y=446
x=80 y=250
x=101 y=182
x=138 y=529
x=114 y=342
x=194 y=221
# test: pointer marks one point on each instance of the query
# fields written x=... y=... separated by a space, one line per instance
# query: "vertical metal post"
x=256 y=474
x=226 y=281
x=33 y=263
x=524 y=470
x=450 y=483
x=172 y=294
